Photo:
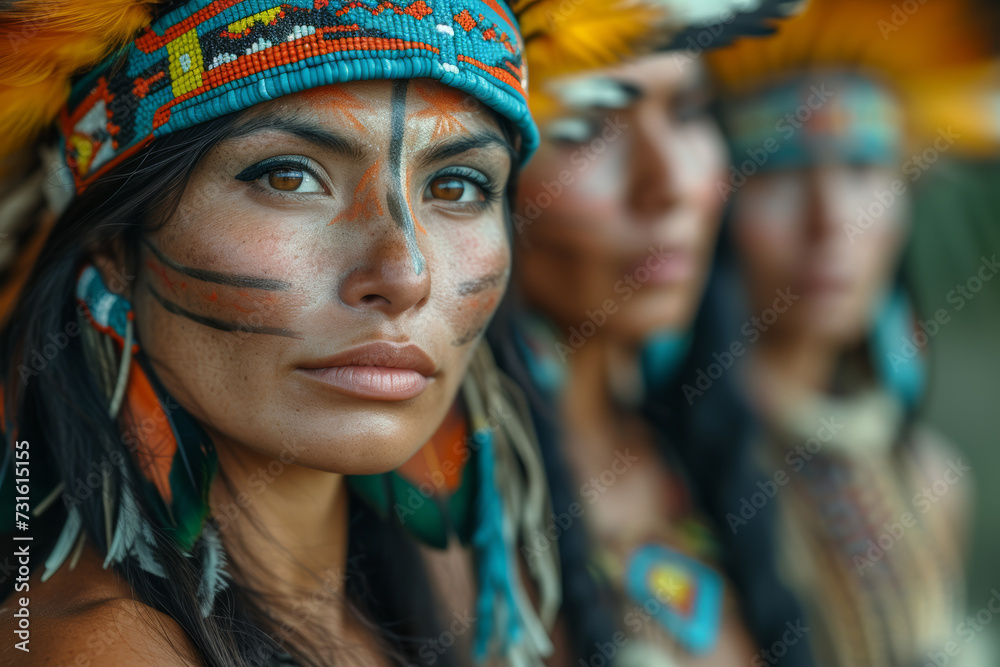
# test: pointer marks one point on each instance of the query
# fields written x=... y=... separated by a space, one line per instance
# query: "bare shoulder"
x=86 y=617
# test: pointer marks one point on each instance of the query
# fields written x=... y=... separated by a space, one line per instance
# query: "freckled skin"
x=349 y=283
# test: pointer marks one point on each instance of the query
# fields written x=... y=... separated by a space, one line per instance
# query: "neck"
x=798 y=362
x=594 y=371
x=284 y=525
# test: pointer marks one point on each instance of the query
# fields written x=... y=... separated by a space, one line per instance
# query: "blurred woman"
x=618 y=220
x=872 y=504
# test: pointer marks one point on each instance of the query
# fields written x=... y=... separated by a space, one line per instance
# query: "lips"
x=670 y=265
x=376 y=371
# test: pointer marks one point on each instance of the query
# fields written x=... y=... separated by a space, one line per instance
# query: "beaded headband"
x=829 y=116
x=210 y=58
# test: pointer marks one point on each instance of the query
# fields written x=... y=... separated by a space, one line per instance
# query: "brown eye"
x=449 y=189
x=287 y=180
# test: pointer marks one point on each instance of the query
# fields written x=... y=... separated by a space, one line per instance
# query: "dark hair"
x=62 y=411
x=712 y=441
x=585 y=604
x=714 y=437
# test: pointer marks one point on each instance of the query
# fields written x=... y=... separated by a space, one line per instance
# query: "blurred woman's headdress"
x=86 y=84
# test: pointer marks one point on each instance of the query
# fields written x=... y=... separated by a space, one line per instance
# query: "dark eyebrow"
x=632 y=91
x=463 y=143
x=297 y=127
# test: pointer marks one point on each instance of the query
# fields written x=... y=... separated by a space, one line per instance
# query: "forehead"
x=365 y=107
x=654 y=77
x=821 y=117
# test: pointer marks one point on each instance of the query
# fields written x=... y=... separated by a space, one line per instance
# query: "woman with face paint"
x=245 y=392
x=872 y=504
x=284 y=232
x=618 y=219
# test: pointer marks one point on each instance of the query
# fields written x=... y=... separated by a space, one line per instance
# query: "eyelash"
x=253 y=173
x=490 y=190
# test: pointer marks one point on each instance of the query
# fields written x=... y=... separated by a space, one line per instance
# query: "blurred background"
x=955 y=225
x=944 y=53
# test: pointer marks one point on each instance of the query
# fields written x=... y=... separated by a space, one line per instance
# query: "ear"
x=109 y=260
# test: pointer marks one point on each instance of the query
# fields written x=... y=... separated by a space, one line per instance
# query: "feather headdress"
x=564 y=37
x=934 y=54
x=140 y=70
x=43 y=45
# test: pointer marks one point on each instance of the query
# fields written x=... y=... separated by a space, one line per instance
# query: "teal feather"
x=496 y=606
x=67 y=539
x=213 y=568
x=133 y=535
x=143 y=550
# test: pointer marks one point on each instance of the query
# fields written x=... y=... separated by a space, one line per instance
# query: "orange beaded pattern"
x=215 y=57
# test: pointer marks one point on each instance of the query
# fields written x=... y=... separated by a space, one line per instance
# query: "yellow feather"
x=565 y=36
x=42 y=44
x=937 y=59
x=858 y=34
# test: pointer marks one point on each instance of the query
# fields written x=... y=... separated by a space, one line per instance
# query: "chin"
x=363 y=442
x=837 y=328
x=373 y=442
x=646 y=316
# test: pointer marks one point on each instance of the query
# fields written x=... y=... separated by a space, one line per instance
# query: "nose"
x=386 y=279
x=824 y=204
x=655 y=184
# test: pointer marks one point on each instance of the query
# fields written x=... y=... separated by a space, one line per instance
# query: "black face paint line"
x=230 y=279
x=482 y=284
x=471 y=334
x=396 y=199
x=221 y=325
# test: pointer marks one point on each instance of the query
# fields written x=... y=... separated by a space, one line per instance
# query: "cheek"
x=704 y=163
x=878 y=255
x=762 y=242
x=572 y=186
x=474 y=265
x=225 y=307
x=228 y=269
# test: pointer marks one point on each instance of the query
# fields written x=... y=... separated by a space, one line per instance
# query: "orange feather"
x=44 y=43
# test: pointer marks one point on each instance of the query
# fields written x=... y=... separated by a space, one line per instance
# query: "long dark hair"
x=58 y=406
x=714 y=438
x=711 y=439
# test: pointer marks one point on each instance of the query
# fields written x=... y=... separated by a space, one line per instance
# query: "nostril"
x=374 y=300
